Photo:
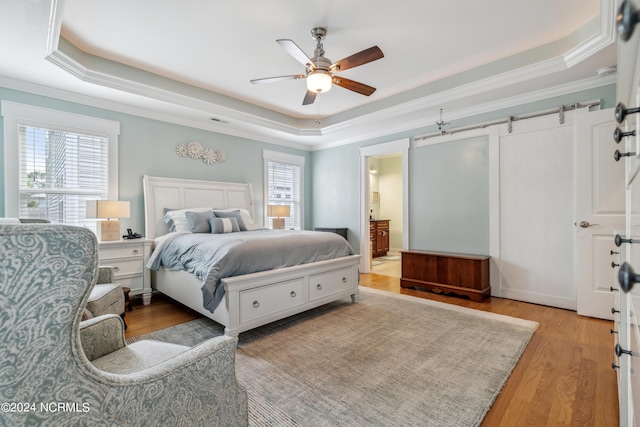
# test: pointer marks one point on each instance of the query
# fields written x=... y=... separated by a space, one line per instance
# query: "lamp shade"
x=319 y=81
x=107 y=209
x=278 y=210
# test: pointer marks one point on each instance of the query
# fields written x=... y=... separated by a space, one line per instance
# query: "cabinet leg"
x=146 y=299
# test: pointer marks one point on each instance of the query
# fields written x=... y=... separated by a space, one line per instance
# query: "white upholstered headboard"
x=175 y=193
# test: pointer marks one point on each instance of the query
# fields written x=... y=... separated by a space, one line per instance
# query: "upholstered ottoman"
x=107 y=298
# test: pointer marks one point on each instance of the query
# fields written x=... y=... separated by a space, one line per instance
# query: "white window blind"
x=284 y=186
x=55 y=161
x=59 y=172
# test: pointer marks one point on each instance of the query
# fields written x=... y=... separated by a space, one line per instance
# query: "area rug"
x=387 y=360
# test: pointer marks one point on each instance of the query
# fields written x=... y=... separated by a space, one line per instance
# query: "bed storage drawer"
x=266 y=300
x=331 y=282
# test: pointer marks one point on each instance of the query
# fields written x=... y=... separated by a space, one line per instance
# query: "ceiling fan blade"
x=295 y=51
x=360 y=88
x=277 y=79
x=360 y=58
x=309 y=98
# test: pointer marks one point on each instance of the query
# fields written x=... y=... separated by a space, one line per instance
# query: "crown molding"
x=244 y=120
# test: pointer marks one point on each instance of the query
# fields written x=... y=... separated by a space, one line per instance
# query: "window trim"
x=16 y=114
x=289 y=159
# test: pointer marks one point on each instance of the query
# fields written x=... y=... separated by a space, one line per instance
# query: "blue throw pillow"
x=199 y=221
x=223 y=225
x=233 y=214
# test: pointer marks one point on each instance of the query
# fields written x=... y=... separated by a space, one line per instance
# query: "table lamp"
x=109 y=229
x=278 y=211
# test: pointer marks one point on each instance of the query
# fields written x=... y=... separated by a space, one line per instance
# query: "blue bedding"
x=212 y=257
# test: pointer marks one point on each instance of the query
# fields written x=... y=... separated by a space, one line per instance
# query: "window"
x=55 y=162
x=283 y=186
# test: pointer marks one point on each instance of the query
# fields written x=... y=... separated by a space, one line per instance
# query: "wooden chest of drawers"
x=447 y=273
x=379 y=236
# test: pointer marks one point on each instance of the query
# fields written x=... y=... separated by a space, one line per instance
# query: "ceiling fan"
x=320 y=72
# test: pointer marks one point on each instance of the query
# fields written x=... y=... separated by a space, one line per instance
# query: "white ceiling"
x=191 y=61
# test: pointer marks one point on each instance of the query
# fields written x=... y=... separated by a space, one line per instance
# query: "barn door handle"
x=585 y=224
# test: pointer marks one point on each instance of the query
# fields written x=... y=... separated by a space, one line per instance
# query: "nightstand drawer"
x=124 y=267
x=121 y=252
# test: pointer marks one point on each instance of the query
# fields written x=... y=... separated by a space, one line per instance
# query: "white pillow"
x=177 y=218
x=246 y=217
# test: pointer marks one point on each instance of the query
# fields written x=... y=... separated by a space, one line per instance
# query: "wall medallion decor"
x=196 y=151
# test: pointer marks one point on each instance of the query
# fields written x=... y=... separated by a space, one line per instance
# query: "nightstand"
x=340 y=231
x=129 y=259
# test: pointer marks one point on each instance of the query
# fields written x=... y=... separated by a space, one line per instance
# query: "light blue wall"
x=450 y=197
x=332 y=176
x=437 y=175
x=148 y=147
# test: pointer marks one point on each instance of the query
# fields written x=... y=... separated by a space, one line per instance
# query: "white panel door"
x=600 y=212
x=536 y=211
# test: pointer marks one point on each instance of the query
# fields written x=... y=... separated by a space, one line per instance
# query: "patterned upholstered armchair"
x=46 y=275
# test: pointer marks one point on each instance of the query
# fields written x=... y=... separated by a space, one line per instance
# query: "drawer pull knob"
x=136 y=251
x=613 y=331
x=614 y=366
x=256 y=304
x=612 y=289
x=344 y=280
x=618 y=134
x=619 y=240
x=617 y=155
x=627 y=277
x=614 y=265
x=614 y=253
x=318 y=286
x=614 y=311
x=626 y=20
x=620 y=351
x=621 y=112
x=293 y=294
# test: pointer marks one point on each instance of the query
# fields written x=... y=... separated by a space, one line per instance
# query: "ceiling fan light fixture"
x=319 y=81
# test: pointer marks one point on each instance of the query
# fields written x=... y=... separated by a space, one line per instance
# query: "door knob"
x=585 y=224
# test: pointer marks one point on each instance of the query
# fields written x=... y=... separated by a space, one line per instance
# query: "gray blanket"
x=212 y=257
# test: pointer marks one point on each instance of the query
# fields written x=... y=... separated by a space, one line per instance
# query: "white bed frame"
x=251 y=300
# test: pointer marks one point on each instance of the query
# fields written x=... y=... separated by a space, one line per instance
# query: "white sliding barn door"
x=536 y=220
x=600 y=212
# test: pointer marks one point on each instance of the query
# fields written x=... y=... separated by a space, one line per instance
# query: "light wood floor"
x=564 y=377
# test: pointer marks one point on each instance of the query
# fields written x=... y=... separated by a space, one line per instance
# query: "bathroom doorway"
x=384 y=207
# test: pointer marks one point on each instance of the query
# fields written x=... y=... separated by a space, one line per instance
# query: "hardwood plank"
x=564 y=376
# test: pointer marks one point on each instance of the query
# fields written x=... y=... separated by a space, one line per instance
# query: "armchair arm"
x=203 y=377
x=106 y=274
x=101 y=335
